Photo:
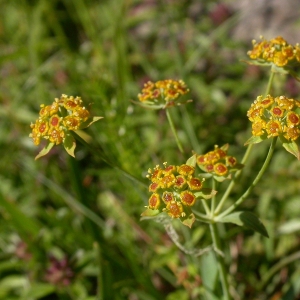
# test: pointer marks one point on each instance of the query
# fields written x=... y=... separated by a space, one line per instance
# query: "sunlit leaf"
x=89 y=122
x=254 y=140
x=205 y=193
x=192 y=161
x=189 y=221
x=293 y=148
x=149 y=213
x=45 y=150
x=70 y=144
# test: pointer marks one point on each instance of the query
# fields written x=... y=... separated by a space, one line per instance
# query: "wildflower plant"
x=190 y=191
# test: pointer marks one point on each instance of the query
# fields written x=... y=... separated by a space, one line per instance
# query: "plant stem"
x=220 y=260
x=234 y=180
x=244 y=160
x=174 y=131
x=253 y=184
x=213 y=200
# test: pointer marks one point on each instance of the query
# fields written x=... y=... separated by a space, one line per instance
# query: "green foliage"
x=82 y=216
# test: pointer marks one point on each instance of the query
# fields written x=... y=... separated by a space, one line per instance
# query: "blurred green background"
x=68 y=226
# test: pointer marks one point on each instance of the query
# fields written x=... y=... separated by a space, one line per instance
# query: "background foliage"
x=68 y=225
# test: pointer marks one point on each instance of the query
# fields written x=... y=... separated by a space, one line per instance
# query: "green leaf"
x=189 y=221
x=70 y=144
x=254 y=140
x=192 y=161
x=89 y=122
x=247 y=219
x=45 y=150
x=205 y=193
x=292 y=147
x=149 y=213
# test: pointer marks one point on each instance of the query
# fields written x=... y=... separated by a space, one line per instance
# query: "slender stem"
x=244 y=160
x=213 y=200
x=234 y=180
x=268 y=90
x=174 y=131
x=206 y=208
x=220 y=260
x=253 y=184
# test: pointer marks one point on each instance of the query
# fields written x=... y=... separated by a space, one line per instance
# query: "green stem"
x=174 y=131
x=234 y=180
x=244 y=160
x=253 y=184
x=213 y=200
x=206 y=208
x=268 y=90
x=220 y=260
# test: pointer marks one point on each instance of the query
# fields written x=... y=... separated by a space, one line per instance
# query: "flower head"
x=276 y=118
x=174 y=190
x=57 y=120
x=279 y=118
x=163 y=93
x=218 y=163
x=277 y=51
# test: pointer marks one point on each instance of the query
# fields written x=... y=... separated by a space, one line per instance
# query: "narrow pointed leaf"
x=148 y=213
x=192 y=161
x=254 y=140
x=247 y=219
x=45 y=150
x=189 y=221
x=70 y=144
x=89 y=122
x=293 y=148
x=205 y=193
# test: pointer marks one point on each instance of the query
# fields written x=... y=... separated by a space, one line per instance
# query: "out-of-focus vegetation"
x=70 y=228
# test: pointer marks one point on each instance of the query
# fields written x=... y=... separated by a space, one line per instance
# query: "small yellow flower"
x=277 y=51
x=163 y=93
x=272 y=117
x=57 y=120
x=218 y=163
x=154 y=201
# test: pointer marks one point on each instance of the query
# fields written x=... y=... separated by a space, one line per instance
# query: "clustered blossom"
x=173 y=189
x=276 y=51
x=217 y=162
x=277 y=116
x=64 y=114
x=163 y=93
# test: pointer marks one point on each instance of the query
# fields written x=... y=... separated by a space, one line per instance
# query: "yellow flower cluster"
x=64 y=114
x=163 y=92
x=277 y=116
x=173 y=189
x=276 y=51
x=217 y=161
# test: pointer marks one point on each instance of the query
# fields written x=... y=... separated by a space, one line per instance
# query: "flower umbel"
x=272 y=117
x=163 y=93
x=218 y=163
x=276 y=51
x=175 y=190
x=57 y=120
